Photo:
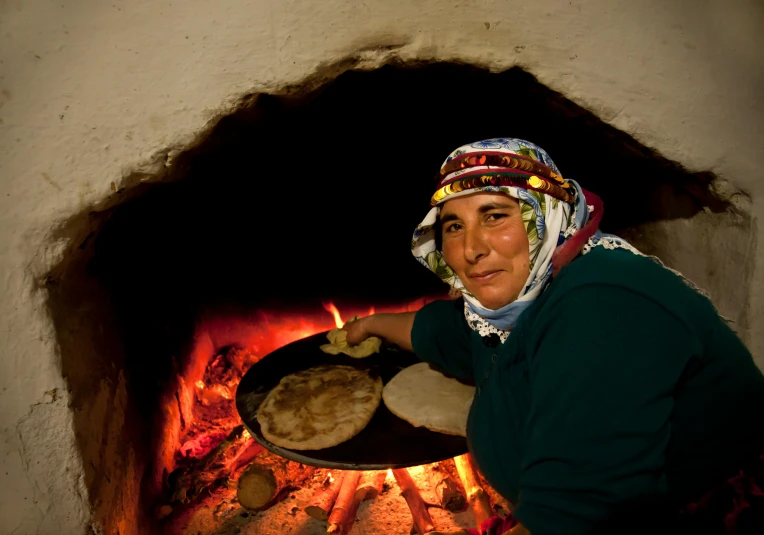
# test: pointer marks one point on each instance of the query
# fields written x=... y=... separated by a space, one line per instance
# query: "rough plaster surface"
x=90 y=91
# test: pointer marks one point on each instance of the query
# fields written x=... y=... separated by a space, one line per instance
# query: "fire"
x=263 y=332
x=329 y=307
x=216 y=374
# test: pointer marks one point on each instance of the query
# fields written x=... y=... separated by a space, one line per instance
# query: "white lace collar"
x=482 y=327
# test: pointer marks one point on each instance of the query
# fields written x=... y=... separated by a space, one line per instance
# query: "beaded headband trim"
x=504 y=170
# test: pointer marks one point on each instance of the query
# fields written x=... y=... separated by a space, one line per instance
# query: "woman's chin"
x=493 y=302
x=500 y=292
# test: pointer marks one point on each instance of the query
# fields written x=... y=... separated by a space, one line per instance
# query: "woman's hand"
x=395 y=328
x=357 y=331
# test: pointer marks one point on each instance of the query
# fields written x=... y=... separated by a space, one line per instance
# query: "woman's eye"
x=496 y=216
x=453 y=227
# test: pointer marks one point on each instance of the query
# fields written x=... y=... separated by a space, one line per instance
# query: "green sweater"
x=620 y=384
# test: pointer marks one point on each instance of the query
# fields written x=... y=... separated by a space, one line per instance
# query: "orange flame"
x=263 y=332
x=329 y=307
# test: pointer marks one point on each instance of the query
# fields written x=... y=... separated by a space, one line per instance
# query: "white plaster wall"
x=89 y=90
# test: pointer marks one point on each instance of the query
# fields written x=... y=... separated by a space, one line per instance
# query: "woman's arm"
x=437 y=333
x=395 y=328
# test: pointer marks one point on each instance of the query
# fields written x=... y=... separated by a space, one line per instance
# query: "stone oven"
x=296 y=202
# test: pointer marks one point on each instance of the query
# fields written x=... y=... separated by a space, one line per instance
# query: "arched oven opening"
x=289 y=203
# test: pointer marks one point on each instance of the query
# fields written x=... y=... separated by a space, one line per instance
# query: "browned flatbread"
x=427 y=398
x=320 y=407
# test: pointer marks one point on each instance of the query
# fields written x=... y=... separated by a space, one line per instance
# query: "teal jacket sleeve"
x=602 y=387
x=441 y=336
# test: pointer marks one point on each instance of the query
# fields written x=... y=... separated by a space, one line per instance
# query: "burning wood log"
x=268 y=479
x=371 y=485
x=252 y=450
x=321 y=504
x=499 y=503
x=208 y=487
x=191 y=481
x=446 y=488
x=476 y=496
x=420 y=514
x=346 y=506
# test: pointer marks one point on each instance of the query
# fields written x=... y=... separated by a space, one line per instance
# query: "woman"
x=610 y=394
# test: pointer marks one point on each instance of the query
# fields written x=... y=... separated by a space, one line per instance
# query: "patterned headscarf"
x=554 y=210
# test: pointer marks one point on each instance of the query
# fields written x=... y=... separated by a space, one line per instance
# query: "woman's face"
x=485 y=243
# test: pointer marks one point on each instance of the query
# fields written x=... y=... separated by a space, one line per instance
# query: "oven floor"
x=388 y=514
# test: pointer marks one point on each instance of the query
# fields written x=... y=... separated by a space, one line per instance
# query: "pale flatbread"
x=339 y=344
x=319 y=408
x=427 y=398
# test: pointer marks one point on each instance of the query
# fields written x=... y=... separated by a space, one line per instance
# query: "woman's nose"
x=475 y=245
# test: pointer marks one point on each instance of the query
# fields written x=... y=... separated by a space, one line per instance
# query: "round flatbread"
x=427 y=398
x=319 y=408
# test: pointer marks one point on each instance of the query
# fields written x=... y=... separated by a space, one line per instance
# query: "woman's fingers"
x=356 y=332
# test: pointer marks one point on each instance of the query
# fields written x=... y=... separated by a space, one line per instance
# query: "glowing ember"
x=329 y=307
x=199 y=384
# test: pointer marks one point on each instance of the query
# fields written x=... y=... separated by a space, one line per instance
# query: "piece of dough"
x=427 y=398
x=339 y=344
x=319 y=408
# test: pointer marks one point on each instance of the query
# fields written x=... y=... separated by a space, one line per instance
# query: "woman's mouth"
x=484 y=276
